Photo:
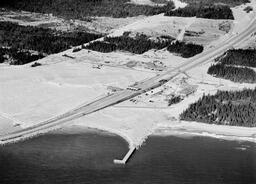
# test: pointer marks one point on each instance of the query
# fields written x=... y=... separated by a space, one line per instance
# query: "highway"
x=126 y=94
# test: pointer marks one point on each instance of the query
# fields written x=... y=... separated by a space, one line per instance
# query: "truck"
x=162 y=81
x=133 y=88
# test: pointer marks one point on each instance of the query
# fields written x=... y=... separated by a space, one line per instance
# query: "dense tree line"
x=186 y=50
x=81 y=9
x=18 y=57
x=100 y=46
x=210 y=9
x=241 y=57
x=142 y=43
x=202 y=11
x=237 y=108
x=18 y=41
x=2 y=59
x=235 y=74
x=231 y=3
x=233 y=65
x=174 y=100
x=138 y=44
x=41 y=39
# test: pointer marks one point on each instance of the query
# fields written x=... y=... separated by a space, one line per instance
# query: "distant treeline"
x=138 y=45
x=224 y=108
x=233 y=65
x=202 y=11
x=142 y=43
x=230 y=3
x=81 y=9
x=18 y=57
x=210 y=9
x=47 y=41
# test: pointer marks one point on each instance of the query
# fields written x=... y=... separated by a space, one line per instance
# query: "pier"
x=126 y=157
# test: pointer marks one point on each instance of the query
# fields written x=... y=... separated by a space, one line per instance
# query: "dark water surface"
x=88 y=158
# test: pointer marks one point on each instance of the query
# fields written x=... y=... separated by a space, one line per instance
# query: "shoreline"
x=230 y=133
x=192 y=129
x=77 y=128
x=178 y=129
x=224 y=132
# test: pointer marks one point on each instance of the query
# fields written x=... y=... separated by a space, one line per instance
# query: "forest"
x=186 y=50
x=42 y=40
x=240 y=57
x=81 y=9
x=234 y=108
x=234 y=65
x=18 y=57
x=235 y=74
x=142 y=43
x=137 y=45
x=100 y=46
x=202 y=11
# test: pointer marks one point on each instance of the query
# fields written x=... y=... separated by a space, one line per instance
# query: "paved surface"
x=128 y=94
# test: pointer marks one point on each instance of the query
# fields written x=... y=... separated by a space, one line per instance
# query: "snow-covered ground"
x=179 y=4
x=146 y=2
x=32 y=95
x=242 y=18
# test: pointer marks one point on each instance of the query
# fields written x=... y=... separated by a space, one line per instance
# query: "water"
x=88 y=158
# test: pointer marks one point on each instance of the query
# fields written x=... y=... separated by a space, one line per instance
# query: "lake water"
x=88 y=158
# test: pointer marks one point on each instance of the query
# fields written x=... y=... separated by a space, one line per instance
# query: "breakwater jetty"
x=126 y=157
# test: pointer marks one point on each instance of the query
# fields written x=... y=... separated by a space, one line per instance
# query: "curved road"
x=127 y=94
